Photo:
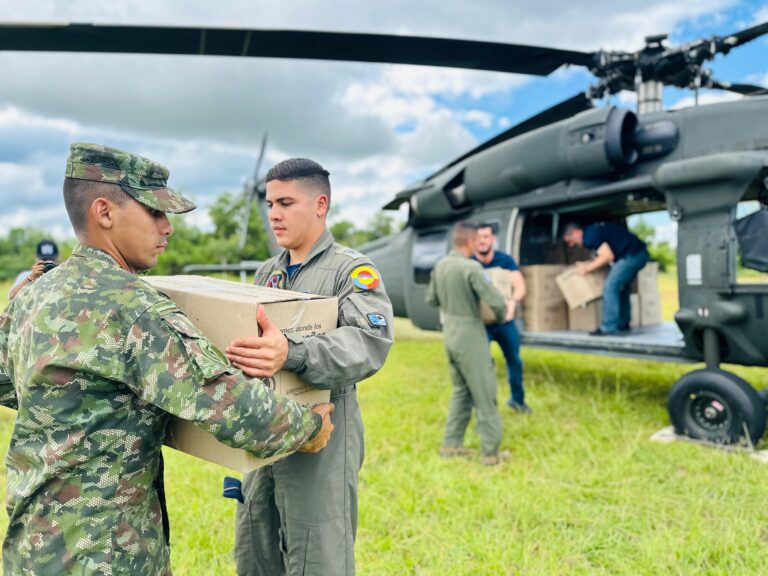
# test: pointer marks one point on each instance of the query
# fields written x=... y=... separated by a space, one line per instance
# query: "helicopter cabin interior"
x=533 y=237
x=548 y=321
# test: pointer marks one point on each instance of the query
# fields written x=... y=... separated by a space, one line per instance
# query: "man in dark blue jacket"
x=505 y=333
x=616 y=246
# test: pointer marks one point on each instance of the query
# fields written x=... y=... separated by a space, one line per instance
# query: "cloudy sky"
x=377 y=128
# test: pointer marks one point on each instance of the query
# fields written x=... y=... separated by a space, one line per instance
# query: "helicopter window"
x=428 y=248
x=752 y=230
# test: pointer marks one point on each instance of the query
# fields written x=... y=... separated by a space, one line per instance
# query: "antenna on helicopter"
x=250 y=191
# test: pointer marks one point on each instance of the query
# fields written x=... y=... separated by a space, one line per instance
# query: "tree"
x=18 y=250
x=380 y=226
x=660 y=252
x=189 y=245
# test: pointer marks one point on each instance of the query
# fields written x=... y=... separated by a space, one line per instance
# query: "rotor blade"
x=745 y=89
x=313 y=45
x=259 y=160
x=747 y=35
x=560 y=111
x=244 y=223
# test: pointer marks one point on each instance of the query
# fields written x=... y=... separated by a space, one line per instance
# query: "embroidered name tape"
x=377 y=320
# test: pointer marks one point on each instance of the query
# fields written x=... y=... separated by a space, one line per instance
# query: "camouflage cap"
x=142 y=178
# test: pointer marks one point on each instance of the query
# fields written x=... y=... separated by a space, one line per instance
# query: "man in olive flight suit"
x=300 y=514
x=94 y=360
x=457 y=285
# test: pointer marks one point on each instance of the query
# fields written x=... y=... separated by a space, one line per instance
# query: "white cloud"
x=376 y=127
x=759 y=79
x=421 y=80
x=666 y=233
x=706 y=97
x=627 y=99
x=479 y=117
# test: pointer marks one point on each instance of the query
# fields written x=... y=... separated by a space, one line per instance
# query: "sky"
x=376 y=128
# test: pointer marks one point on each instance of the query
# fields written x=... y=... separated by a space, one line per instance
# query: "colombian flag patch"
x=276 y=280
x=365 y=278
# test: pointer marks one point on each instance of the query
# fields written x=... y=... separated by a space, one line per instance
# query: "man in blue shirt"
x=616 y=246
x=506 y=334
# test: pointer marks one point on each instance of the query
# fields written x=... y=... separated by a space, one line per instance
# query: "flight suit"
x=94 y=360
x=300 y=514
x=457 y=285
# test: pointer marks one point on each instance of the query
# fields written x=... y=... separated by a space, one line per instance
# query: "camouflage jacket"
x=360 y=344
x=94 y=359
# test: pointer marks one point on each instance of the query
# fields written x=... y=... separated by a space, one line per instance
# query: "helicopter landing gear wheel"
x=716 y=406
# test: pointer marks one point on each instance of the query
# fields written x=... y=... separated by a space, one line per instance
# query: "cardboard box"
x=577 y=254
x=554 y=253
x=545 y=316
x=224 y=311
x=634 y=306
x=501 y=279
x=586 y=317
x=577 y=289
x=647 y=279
x=540 y=282
x=650 y=309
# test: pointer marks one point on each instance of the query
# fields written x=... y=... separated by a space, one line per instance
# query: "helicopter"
x=571 y=162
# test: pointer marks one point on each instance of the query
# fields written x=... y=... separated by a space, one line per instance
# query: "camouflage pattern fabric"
x=142 y=178
x=94 y=360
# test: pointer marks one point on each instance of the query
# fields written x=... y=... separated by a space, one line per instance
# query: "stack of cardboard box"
x=544 y=308
x=584 y=297
x=646 y=298
x=583 y=294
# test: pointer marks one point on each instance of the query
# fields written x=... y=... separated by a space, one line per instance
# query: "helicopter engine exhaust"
x=589 y=145
x=592 y=144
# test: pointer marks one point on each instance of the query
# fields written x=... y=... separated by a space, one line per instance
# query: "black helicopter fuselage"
x=698 y=163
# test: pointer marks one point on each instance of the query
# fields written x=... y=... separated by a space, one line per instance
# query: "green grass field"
x=584 y=493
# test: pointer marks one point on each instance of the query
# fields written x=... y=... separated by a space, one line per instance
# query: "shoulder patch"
x=365 y=278
x=276 y=280
x=165 y=307
x=352 y=253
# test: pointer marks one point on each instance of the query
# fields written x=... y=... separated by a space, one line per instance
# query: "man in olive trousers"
x=300 y=514
x=457 y=285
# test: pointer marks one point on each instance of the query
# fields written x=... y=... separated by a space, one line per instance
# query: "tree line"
x=219 y=245
x=192 y=245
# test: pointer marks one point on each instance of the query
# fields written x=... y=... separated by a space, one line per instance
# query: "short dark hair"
x=80 y=194
x=570 y=227
x=462 y=231
x=492 y=225
x=308 y=172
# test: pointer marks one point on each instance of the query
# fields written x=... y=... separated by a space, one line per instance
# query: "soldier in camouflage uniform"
x=457 y=285
x=94 y=360
x=300 y=514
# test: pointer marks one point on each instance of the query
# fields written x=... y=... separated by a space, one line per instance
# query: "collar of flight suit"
x=321 y=245
x=297 y=352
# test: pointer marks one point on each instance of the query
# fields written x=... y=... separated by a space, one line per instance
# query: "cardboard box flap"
x=225 y=310
x=577 y=289
x=227 y=290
